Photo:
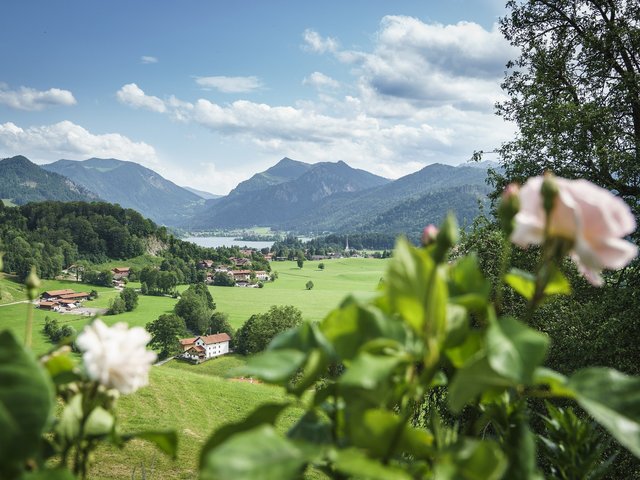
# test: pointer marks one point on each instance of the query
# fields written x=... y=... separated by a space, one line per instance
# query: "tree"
x=222 y=279
x=300 y=260
x=309 y=285
x=219 y=323
x=196 y=306
x=574 y=92
x=321 y=266
x=165 y=332
x=116 y=306
x=130 y=298
x=259 y=329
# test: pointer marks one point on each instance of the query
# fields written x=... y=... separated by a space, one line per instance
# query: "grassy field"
x=191 y=399
x=195 y=399
x=340 y=277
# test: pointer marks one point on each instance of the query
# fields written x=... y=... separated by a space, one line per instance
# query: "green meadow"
x=340 y=277
x=196 y=399
x=192 y=399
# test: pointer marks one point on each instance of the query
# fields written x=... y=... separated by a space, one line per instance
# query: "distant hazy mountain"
x=22 y=181
x=283 y=171
x=283 y=193
x=132 y=186
x=457 y=189
x=203 y=194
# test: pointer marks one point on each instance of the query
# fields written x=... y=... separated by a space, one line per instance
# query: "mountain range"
x=22 y=181
x=291 y=195
x=132 y=186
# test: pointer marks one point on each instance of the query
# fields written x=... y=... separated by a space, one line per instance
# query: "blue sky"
x=209 y=92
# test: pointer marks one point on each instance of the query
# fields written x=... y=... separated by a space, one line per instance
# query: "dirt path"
x=15 y=303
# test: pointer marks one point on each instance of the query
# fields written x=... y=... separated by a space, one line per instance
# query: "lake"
x=214 y=242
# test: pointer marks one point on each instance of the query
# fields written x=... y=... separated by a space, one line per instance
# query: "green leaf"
x=61 y=368
x=409 y=272
x=99 y=423
x=556 y=382
x=457 y=326
x=165 y=440
x=303 y=338
x=558 y=284
x=374 y=430
x=515 y=350
x=525 y=283
x=256 y=454
x=474 y=378
x=467 y=285
x=26 y=402
x=369 y=372
x=613 y=399
x=472 y=460
x=354 y=463
x=353 y=325
x=264 y=414
x=462 y=353
x=522 y=282
x=68 y=426
x=273 y=366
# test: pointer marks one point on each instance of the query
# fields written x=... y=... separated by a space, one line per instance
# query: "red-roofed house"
x=241 y=275
x=75 y=296
x=205 y=347
x=120 y=272
x=53 y=294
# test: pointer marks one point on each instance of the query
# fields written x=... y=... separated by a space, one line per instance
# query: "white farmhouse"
x=205 y=347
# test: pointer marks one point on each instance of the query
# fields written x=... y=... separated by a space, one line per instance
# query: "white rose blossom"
x=116 y=356
x=592 y=218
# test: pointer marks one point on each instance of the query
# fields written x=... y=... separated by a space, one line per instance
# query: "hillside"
x=132 y=186
x=440 y=188
x=285 y=201
x=22 y=181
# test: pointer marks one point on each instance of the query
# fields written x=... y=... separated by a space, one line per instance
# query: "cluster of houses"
x=204 y=347
x=61 y=300
x=240 y=274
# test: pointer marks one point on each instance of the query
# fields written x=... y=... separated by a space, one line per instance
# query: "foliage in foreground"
x=362 y=372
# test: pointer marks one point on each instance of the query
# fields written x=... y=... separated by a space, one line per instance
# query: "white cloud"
x=133 y=96
x=423 y=93
x=66 y=139
x=26 y=98
x=314 y=42
x=320 y=80
x=433 y=64
x=230 y=84
x=146 y=59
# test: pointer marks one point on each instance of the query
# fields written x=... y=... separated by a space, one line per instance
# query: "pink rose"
x=592 y=218
x=429 y=234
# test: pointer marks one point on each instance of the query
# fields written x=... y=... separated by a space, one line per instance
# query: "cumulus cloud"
x=432 y=64
x=321 y=81
x=66 y=139
x=146 y=59
x=230 y=84
x=423 y=93
x=135 y=97
x=26 y=98
x=314 y=42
